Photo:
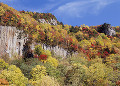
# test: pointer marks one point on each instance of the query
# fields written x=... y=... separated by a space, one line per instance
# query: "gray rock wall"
x=52 y=21
x=11 y=41
x=57 y=50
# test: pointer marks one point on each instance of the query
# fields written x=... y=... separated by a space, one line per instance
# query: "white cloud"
x=81 y=8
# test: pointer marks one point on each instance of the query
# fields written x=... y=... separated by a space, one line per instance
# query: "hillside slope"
x=79 y=38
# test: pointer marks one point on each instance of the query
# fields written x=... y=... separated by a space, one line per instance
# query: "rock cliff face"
x=11 y=40
x=52 y=21
x=57 y=50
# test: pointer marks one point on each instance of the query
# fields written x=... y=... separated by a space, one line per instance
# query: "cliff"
x=11 y=40
x=52 y=21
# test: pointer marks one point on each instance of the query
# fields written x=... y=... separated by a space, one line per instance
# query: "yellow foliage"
x=45 y=81
x=87 y=27
x=40 y=78
x=35 y=36
x=48 y=53
x=117 y=44
x=2 y=11
x=52 y=61
x=14 y=76
x=85 y=43
x=38 y=72
x=93 y=51
x=22 y=20
x=98 y=72
x=38 y=27
x=100 y=41
x=113 y=58
x=92 y=40
x=108 y=43
x=3 y=64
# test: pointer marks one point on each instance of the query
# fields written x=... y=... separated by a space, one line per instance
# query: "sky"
x=73 y=12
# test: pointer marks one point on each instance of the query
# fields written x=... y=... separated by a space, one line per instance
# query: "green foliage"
x=78 y=59
x=114 y=61
x=98 y=73
x=14 y=76
x=48 y=53
x=103 y=36
x=6 y=58
x=3 y=64
x=113 y=77
x=99 y=40
x=93 y=73
x=52 y=71
x=74 y=71
x=76 y=76
x=17 y=62
x=38 y=49
x=26 y=67
x=39 y=77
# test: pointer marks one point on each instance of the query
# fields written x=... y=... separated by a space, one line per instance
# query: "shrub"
x=45 y=81
x=48 y=53
x=42 y=57
x=114 y=77
x=38 y=49
x=17 y=62
x=26 y=67
x=3 y=64
x=52 y=71
x=77 y=75
x=113 y=58
x=48 y=81
x=14 y=76
x=52 y=61
x=38 y=72
x=4 y=82
x=78 y=59
x=6 y=58
x=97 y=74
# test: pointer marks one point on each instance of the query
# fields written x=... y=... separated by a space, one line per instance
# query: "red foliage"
x=88 y=57
x=18 y=16
x=84 y=28
x=106 y=53
x=98 y=53
x=118 y=82
x=70 y=39
x=61 y=39
x=92 y=45
x=43 y=57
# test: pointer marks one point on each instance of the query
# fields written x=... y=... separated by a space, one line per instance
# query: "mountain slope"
x=82 y=39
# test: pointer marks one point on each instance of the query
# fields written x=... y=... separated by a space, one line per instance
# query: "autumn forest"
x=97 y=62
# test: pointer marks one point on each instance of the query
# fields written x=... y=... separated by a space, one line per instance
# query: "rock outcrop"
x=11 y=40
x=57 y=50
x=106 y=29
x=51 y=22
